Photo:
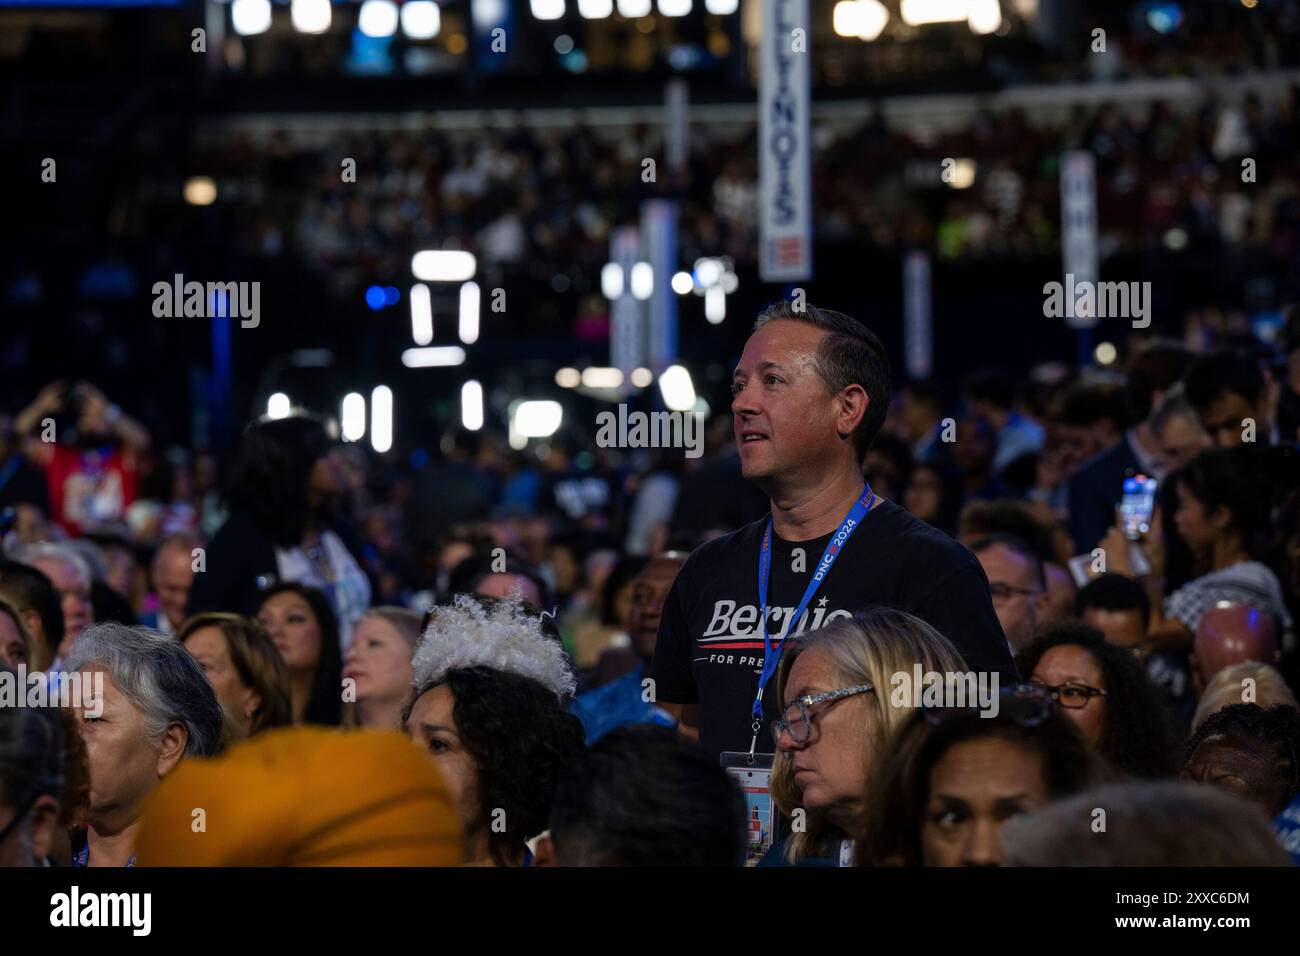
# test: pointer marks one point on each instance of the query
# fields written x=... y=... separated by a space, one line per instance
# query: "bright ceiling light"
x=377 y=18
x=421 y=19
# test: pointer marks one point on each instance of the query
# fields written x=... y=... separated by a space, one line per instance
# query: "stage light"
x=611 y=280
x=643 y=280
x=469 y=302
x=421 y=314
x=984 y=16
x=250 y=17
x=421 y=19
x=634 y=9
x=963 y=174
x=381 y=418
x=677 y=389
x=471 y=405
x=353 y=416
x=433 y=356
x=547 y=9
x=682 y=282
x=1105 y=353
x=377 y=18
x=708 y=271
x=715 y=304
x=200 y=191
x=595 y=9
x=642 y=377
x=278 y=406
x=917 y=13
x=721 y=8
x=674 y=8
x=375 y=297
x=568 y=377
x=536 y=418
x=310 y=16
x=563 y=44
x=443 y=265
x=597 y=377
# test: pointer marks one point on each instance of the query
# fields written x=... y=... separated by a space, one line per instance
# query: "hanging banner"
x=784 y=143
x=1079 y=230
x=918 y=325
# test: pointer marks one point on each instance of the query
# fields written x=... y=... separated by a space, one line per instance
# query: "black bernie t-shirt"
x=710 y=651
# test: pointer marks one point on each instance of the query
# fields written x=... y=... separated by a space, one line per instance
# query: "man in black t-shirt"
x=811 y=391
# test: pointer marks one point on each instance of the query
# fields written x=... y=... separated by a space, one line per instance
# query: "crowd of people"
x=538 y=203
x=876 y=624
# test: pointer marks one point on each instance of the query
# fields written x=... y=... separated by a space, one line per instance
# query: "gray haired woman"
x=144 y=705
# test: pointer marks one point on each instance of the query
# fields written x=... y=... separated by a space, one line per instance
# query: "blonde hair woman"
x=379 y=664
x=835 y=686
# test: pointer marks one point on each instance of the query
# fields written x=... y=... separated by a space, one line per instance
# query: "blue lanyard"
x=772 y=653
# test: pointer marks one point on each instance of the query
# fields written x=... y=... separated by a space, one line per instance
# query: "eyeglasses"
x=795 y=720
x=1027 y=705
x=1002 y=591
x=1073 y=696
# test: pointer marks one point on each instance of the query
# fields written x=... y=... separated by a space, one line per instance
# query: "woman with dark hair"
x=1105 y=691
x=489 y=703
x=953 y=776
x=44 y=783
x=243 y=666
x=303 y=628
x=283 y=526
x=934 y=494
x=1224 y=505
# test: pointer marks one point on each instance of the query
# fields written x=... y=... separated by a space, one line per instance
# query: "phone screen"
x=1137 y=504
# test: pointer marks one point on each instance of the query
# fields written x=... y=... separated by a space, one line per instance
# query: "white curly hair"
x=503 y=637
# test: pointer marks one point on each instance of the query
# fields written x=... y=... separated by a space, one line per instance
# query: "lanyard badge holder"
x=753 y=771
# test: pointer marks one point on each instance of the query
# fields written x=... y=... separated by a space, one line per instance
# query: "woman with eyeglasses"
x=953 y=776
x=1105 y=691
x=835 y=686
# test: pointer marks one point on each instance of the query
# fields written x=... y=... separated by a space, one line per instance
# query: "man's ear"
x=172 y=747
x=854 y=404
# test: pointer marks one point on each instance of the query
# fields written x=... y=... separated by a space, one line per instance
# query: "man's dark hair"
x=1135 y=735
x=1017 y=545
x=850 y=354
x=1213 y=376
x=984 y=517
x=1086 y=404
x=638 y=797
x=1278 y=728
x=1154 y=369
x=31 y=588
x=1114 y=592
x=470 y=572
